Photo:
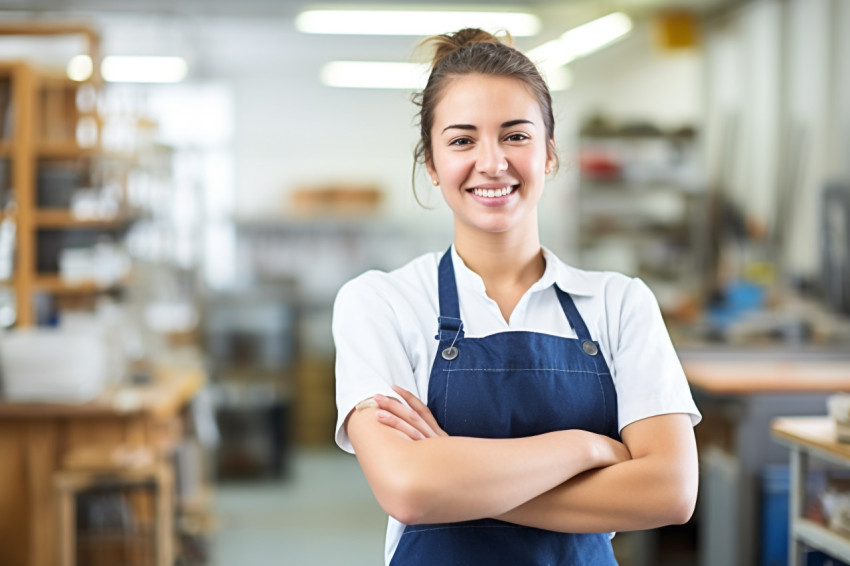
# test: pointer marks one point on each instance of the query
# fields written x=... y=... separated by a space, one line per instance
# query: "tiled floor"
x=323 y=515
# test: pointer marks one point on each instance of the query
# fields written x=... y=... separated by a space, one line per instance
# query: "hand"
x=609 y=451
x=417 y=422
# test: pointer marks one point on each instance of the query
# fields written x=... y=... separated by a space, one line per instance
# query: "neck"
x=512 y=258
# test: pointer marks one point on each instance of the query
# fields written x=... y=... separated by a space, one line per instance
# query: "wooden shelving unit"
x=22 y=178
x=51 y=154
x=64 y=149
x=41 y=115
x=55 y=284
x=61 y=218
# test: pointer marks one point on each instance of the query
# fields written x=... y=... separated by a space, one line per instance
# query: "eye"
x=460 y=141
x=517 y=137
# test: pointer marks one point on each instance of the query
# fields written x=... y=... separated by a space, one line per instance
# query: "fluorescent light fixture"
x=374 y=74
x=582 y=40
x=557 y=78
x=79 y=68
x=135 y=69
x=550 y=58
x=413 y=22
x=407 y=76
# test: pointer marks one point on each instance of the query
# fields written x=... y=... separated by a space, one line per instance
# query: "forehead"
x=479 y=99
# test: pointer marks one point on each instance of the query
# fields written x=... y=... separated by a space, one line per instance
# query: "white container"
x=49 y=365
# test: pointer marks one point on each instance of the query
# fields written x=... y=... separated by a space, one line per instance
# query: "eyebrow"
x=507 y=124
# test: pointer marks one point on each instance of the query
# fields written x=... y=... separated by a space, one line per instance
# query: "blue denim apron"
x=509 y=385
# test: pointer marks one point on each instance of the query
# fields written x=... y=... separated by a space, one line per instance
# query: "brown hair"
x=476 y=51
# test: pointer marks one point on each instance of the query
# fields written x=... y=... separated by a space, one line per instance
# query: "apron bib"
x=511 y=385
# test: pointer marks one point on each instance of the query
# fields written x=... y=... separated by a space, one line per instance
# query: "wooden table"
x=814 y=436
x=739 y=394
x=36 y=438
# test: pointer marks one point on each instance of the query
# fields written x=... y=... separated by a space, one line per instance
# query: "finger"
x=406 y=414
x=392 y=421
x=421 y=408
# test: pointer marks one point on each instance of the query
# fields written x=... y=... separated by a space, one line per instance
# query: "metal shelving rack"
x=807 y=437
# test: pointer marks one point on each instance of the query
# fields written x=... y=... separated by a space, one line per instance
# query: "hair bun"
x=447 y=43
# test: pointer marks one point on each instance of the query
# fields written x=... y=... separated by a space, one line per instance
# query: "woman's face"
x=489 y=152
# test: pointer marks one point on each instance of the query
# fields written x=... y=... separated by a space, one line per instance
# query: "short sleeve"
x=647 y=373
x=370 y=353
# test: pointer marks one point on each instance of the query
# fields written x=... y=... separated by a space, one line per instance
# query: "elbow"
x=406 y=501
x=682 y=509
x=681 y=501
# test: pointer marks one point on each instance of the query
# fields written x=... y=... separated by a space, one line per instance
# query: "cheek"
x=450 y=169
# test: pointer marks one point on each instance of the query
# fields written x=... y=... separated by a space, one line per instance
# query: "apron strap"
x=449 y=320
x=573 y=316
x=450 y=325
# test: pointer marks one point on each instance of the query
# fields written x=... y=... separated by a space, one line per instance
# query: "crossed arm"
x=570 y=480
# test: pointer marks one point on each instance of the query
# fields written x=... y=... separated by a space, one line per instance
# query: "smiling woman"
x=489 y=154
x=550 y=408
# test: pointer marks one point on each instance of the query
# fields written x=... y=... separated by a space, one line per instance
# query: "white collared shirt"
x=384 y=326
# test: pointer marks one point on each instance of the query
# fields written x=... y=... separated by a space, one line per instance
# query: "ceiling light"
x=79 y=68
x=133 y=69
x=557 y=78
x=410 y=22
x=374 y=74
x=582 y=40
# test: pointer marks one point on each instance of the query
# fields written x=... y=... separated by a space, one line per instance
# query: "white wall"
x=294 y=132
x=743 y=108
x=291 y=133
x=633 y=80
x=778 y=109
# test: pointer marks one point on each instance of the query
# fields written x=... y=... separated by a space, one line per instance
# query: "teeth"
x=492 y=193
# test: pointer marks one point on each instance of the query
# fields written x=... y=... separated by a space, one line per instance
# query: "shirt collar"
x=568 y=279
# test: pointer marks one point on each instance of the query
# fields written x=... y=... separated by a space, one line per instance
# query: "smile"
x=493 y=192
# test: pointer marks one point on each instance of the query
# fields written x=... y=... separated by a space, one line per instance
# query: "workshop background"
x=185 y=185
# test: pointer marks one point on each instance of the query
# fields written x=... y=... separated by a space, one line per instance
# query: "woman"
x=553 y=408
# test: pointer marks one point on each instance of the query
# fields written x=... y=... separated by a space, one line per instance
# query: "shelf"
x=114 y=535
x=822 y=539
x=638 y=187
x=63 y=150
x=62 y=218
x=55 y=284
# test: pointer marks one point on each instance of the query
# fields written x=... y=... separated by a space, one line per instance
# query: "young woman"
x=507 y=409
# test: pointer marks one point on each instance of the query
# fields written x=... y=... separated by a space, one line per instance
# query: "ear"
x=551 y=154
x=429 y=166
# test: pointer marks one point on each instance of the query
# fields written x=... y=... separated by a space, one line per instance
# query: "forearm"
x=450 y=479
x=632 y=495
x=658 y=486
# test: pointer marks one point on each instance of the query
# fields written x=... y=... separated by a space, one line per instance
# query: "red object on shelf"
x=599 y=166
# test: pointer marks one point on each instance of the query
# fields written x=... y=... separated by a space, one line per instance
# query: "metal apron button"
x=589 y=348
x=450 y=353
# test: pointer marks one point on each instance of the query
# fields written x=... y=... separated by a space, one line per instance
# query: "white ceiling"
x=226 y=38
x=288 y=8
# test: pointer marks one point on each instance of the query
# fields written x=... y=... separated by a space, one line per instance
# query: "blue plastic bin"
x=775 y=482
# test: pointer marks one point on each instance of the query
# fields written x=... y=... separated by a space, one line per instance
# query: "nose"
x=491 y=159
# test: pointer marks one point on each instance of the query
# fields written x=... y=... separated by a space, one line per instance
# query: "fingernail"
x=382 y=414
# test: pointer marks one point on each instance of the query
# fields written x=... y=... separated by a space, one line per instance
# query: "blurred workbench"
x=739 y=393
x=39 y=440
